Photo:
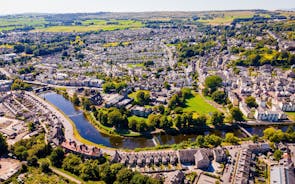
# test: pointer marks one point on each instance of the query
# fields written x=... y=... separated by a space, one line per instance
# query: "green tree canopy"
x=213 y=82
x=251 y=102
x=217 y=118
x=236 y=114
x=57 y=157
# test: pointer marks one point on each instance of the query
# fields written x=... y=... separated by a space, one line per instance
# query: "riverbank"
x=108 y=130
x=71 y=132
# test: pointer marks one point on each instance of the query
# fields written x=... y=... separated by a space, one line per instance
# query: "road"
x=58 y=86
x=171 y=60
x=5 y=72
x=65 y=175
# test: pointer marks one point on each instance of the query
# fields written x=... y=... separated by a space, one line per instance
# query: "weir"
x=245 y=131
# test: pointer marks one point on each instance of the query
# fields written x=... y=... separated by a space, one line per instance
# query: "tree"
x=106 y=174
x=254 y=59
x=278 y=155
x=33 y=161
x=251 y=102
x=217 y=118
x=213 y=82
x=269 y=132
x=44 y=165
x=138 y=179
x=20 y=85
x=141 y=126
x=21 y=152
x=219 y=97
x=57 y=156
x=161 y=109
x=114 y=169
x=108 y=87
x=116 y=119
x=89 y=170
x=290 y=129
x=142 y=98
x=3 y=145
x=72 y=164
x=165 y=123
x=167 y=85
x=124 y=176
x=213 y=140
x=76 y=99
x=174 y=101
x=255 y=138
x=236 y=114
x=200 y=141
x=86 y=104
x=19 y=48
x=231 y=138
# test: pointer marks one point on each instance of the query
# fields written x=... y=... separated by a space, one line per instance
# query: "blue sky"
x=65 y=6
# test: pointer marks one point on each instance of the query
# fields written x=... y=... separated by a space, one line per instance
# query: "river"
x=89 y=132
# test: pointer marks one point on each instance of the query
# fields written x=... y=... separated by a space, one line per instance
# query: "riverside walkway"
x=67 y=124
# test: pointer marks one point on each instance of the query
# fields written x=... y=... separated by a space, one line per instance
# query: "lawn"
x=291 y=116
x=133 y=95
x=137 y=118
x=135 y=65
x=199 y=105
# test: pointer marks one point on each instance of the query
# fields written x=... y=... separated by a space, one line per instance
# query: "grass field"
x=133 y=95
x=198 y=105
x=95 y=25
x=135 y=65
x=137 y=118
x=20 y=22
x=225 y=17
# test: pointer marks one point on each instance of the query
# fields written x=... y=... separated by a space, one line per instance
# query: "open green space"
x=133 y=94
x=135 y=65
x=225 y=17
x=95 y=25
x=199 y=105
x=137 y=118
x=10 y=23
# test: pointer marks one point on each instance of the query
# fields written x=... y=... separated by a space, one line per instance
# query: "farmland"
x=95 y=25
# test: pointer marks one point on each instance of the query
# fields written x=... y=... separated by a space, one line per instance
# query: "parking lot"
x=8 y=167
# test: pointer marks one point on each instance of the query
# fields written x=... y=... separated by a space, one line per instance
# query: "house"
x=219 y=155
x=113 y=100
x=281 y=174
x=5 y=85
x=203 y=158
x=287 y=106
x=266 y=115
x=243 y=167
x=141 y=111
x=175 y=177
x=233 y=98
x=95 y=83
x=245 y=110
x=187 y=156
x=96 y=99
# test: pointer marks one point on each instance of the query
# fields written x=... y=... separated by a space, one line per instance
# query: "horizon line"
x=153 y=11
